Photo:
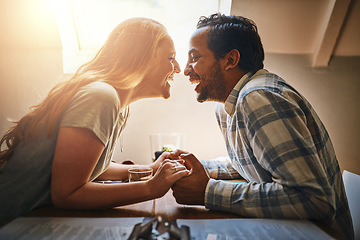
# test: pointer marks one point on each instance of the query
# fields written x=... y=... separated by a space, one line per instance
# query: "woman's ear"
x=232 y=59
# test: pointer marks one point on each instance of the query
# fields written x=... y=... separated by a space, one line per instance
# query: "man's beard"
x=213 y=85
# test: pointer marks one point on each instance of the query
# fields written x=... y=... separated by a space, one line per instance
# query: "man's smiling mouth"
x=194 y=79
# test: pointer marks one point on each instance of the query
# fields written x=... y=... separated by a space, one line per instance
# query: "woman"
x=54 y=153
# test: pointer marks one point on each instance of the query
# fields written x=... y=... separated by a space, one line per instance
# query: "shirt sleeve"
x=277 y=130
x=94 y=107
x=220 y=168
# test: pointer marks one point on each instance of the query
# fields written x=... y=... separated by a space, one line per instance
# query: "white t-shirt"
x=25 y=179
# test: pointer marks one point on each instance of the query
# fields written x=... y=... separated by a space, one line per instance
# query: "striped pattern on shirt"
x=276 y=141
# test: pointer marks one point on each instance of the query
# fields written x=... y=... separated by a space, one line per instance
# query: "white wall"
x=28 y=69
x=26 y=75
x=334 y=92
x=180 y=113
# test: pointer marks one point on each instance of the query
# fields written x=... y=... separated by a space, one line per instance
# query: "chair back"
x=352 y=189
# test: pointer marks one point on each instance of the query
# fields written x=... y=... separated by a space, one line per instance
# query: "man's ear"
x=232 y=59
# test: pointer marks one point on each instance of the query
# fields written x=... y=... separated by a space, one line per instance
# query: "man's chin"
x=201 y=99
x=206 y=98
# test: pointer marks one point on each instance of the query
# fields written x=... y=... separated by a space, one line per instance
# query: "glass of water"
x=140 y=174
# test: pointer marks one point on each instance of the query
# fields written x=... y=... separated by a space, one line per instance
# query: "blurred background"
x=312 y=44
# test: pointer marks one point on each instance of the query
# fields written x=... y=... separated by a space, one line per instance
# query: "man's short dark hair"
x=234 y=32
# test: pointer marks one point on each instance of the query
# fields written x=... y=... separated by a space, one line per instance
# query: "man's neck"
x=231 y=79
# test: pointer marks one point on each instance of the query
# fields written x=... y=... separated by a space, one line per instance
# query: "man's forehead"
x=200 y=32
x=198 y=39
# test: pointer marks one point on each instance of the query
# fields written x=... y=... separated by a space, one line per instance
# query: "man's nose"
x=188 y=69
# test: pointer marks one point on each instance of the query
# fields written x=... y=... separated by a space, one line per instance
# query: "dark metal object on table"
x=158 y=153
x=159 y=228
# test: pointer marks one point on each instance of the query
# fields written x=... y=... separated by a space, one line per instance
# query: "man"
x=274 y=138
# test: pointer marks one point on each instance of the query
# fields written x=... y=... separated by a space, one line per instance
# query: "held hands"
x=191 y=189
x=184 y=173
x=167 y=174
x=166 y=156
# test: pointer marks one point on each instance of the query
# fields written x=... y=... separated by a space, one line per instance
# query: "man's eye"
x=193 y=58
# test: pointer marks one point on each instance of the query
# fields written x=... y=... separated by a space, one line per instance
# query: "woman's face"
x=163 y=70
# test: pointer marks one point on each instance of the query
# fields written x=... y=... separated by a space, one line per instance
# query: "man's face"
x=204 y=69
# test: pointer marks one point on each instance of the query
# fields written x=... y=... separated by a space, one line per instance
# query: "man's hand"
x=191 y=189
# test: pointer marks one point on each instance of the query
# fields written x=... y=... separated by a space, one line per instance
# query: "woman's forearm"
x=93 y=195
x=99 y=196
x=115 y=171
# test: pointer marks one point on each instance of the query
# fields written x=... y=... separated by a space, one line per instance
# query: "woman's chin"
x=166 y=95
x=166 y=91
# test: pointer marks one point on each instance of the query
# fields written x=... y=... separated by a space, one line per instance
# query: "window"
x=85 y=24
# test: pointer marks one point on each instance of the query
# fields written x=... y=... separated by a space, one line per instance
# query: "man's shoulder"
x=263 y=80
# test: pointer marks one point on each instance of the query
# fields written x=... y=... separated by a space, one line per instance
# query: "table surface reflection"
x=165 y=207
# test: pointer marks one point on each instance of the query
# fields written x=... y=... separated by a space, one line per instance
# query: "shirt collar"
x=234 y=94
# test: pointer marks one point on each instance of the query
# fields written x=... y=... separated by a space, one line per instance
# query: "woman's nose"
x=177 y=68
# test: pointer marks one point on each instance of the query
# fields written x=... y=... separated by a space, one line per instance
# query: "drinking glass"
x=140 y=174
x=160 y=142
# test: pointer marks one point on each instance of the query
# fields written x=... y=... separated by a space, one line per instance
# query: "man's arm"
x=279 y=138
x=218 y=168
x=221 y=168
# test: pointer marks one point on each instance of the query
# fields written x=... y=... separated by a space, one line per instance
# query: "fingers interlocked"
x=177 y=166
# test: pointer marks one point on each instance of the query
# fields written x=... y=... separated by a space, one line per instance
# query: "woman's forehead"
x=166 y=44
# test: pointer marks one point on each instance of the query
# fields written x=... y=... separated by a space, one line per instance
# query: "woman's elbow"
x=59 y=201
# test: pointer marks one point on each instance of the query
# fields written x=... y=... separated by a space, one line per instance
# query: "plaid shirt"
x=276 y=142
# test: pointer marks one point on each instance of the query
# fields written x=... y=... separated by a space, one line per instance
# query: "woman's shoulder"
x=100 y=88
x=100 y=91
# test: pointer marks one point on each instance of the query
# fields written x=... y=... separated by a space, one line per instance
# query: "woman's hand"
x=176 y=154
x=168 y=173
x=155 y=165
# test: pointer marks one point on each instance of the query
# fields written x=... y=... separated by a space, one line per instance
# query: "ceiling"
x=322 y=28
x=319 y=28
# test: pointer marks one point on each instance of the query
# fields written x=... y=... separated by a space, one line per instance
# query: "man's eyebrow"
x=192 y=51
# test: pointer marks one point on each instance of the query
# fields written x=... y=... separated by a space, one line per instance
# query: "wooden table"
x=165 y=207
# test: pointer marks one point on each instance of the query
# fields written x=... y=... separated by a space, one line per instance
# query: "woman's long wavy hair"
x=123 y=62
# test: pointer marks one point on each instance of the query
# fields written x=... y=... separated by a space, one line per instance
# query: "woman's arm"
x=119 y=172
x=76 y=155
x=115 y=172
